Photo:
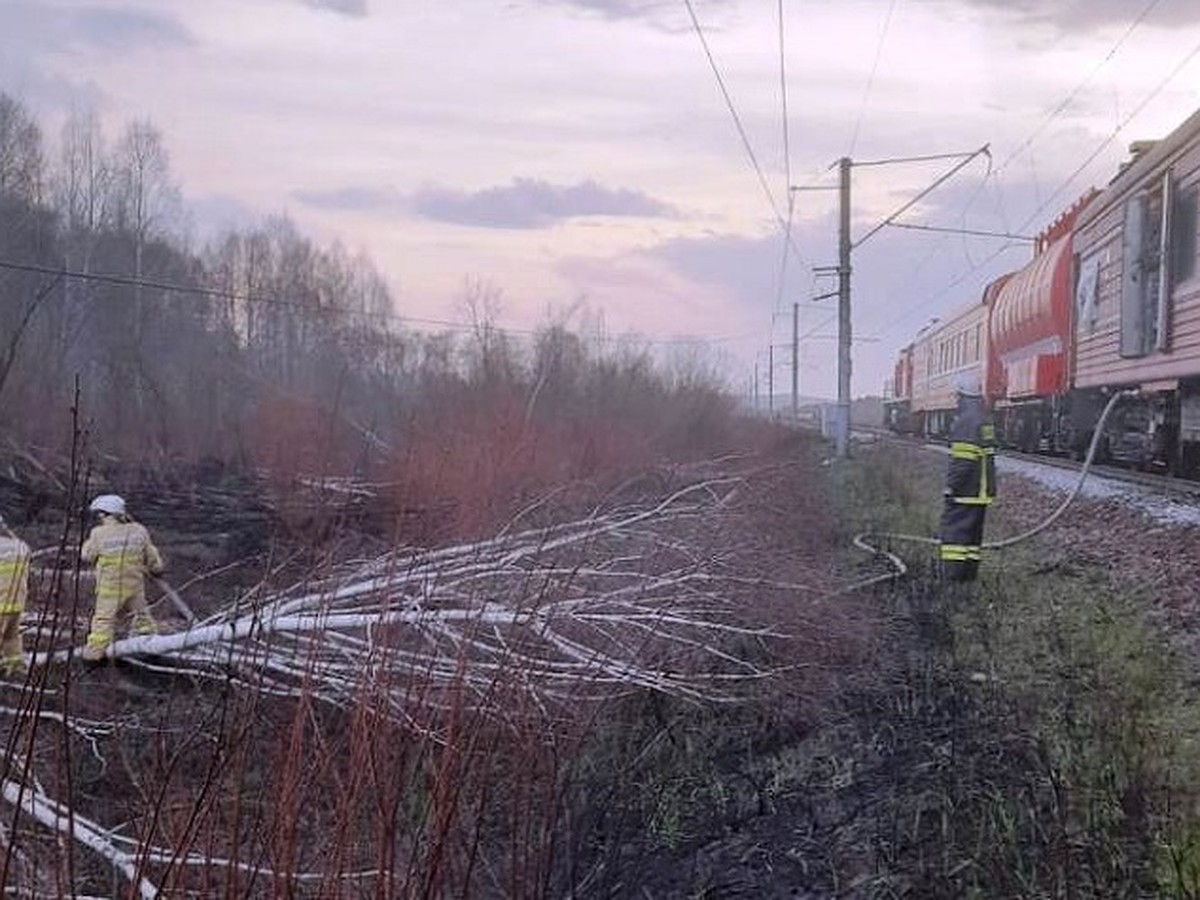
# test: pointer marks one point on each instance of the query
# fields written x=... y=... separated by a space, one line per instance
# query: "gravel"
x=1157 y=507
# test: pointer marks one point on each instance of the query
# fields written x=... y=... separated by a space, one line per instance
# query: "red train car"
x=1029 y=343
x=897 y=396
x=1110 y=302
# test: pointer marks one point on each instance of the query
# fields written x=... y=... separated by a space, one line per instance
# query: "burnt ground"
x=220 y=531
x=879 y=796
x=919 y=776
x=879 y=776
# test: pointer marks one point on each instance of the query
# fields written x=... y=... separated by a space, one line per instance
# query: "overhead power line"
x=994 y=174
x=737 y=120
x=780 y=219
x=1154 y=92
x=176 y=288
x=862 y=109
x=911 y=203
x=781 y=287
x=1179 y=67
x=783 y=96
x=259 y=299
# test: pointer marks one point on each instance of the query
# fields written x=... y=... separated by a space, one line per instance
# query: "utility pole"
x=795 y=362
x=842 y=434
x=845 y=245
x=756 y=401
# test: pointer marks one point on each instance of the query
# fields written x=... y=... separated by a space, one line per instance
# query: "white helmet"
x=968 y=384
x=112 y=504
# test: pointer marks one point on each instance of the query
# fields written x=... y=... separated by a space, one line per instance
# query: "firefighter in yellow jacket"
x=970 y=484
x=14 y=589
x=123 y=555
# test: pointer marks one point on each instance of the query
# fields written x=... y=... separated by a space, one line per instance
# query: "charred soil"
x=900 y=741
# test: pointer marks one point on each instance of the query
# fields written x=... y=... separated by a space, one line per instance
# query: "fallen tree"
x=532 y=624
x=610 y=602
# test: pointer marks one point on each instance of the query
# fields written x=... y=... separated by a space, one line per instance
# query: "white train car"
x=941 y=355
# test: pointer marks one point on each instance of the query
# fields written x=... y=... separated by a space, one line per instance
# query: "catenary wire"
x=862 y=109
x=737 y=119
x=993 y=175
x=787 y=176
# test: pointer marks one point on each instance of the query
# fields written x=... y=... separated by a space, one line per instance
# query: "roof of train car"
x=957 y=319
x=1027 y=300
x=1142 y=164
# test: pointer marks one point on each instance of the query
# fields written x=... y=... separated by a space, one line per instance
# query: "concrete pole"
x=842 y=438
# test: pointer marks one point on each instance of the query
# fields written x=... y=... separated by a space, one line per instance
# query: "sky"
x=630 y=162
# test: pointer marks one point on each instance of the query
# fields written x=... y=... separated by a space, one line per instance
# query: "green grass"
x=1079 y=777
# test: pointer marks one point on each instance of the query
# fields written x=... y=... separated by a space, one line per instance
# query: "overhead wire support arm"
x=968 y=231
x=966 y=158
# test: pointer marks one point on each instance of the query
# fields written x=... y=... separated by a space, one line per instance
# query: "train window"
x=1183 y=237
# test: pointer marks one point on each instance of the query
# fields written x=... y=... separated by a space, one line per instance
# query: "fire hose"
x=863 y=540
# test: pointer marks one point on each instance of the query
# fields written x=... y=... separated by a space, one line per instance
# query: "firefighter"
x=14 y=589
x=123 y=555
x=970 y=483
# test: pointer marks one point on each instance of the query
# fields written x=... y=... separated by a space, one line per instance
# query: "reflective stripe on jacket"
x=960 y=553
x=123 y=553
x=971 y=475
x=14 y=574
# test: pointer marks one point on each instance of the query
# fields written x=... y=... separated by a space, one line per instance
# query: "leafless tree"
x=21 y=163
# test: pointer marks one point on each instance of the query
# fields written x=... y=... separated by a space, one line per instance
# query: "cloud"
x=619 y=9
x=1082 y=15
x=525 y=204
x=120 y=30
x=355 y=8
x=531 y=203
x=667 y=15
x=353 y=199
x=30 y=29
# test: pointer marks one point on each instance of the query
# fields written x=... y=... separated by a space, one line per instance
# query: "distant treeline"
x=259 y=346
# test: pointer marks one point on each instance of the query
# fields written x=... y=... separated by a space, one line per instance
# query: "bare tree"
x=21 y=162
x=82 y=180
x=144 y=200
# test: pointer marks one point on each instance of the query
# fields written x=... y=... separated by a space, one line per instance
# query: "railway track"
x=1162 y=483
x=1181 y=489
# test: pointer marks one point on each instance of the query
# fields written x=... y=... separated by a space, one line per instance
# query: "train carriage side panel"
x=919 y=400
x=1137 y=302
x=1135 y=244
x=940 y=356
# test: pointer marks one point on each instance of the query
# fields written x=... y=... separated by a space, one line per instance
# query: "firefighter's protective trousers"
x=970 y=489
x=123 y=554
x=14 y=589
